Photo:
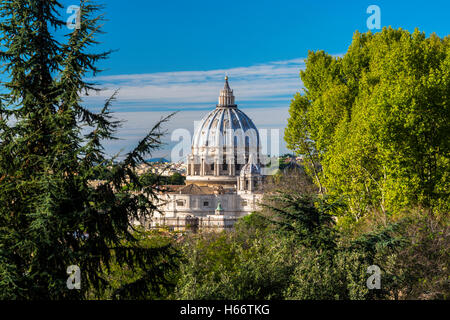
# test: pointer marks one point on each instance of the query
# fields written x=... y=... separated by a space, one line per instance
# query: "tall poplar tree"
x=373 y=124
x=52 y=214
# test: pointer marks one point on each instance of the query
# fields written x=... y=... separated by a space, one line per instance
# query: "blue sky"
x=173 y=55
x=161 y=36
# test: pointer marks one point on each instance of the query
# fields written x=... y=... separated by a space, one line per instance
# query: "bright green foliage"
x=374 y=124
x=284 y=255
x=52 y=215
x=235 y=266
x=260 y=262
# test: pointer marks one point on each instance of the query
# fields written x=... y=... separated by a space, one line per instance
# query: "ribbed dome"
x=226 y=126
x=224 y=142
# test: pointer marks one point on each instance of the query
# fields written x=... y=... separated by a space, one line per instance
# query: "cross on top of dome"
x=226 y=97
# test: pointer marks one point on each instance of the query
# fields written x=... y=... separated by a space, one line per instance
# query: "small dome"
x=251 y=168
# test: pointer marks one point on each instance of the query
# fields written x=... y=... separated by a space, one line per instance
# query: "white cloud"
x=273 y=81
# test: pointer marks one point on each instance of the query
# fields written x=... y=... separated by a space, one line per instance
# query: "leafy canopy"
x=373 y=124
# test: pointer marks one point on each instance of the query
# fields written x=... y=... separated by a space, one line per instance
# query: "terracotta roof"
x=195 y=189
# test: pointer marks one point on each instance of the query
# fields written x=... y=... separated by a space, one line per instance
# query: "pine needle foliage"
x=52 y=214
x=306 y=217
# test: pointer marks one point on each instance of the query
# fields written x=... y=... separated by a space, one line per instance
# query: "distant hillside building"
x=223 y=172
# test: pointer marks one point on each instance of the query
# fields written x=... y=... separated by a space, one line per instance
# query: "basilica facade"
x=223 y=172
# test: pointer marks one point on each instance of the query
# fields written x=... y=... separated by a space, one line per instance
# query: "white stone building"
x=223 y=172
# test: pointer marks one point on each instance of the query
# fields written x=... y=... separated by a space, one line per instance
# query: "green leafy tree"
x=177 y=179
x=236 y=266
x=153 y=179
x=373 y=124
x=52 y=213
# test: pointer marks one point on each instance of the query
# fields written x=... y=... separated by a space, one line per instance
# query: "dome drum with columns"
x=223 y=144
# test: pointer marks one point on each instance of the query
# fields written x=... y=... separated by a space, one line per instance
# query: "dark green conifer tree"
x=52 y=215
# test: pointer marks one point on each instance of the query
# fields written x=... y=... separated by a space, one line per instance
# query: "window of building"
x=180 y=203
x=212 y=167
x=205 y=203
x=244 y=203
